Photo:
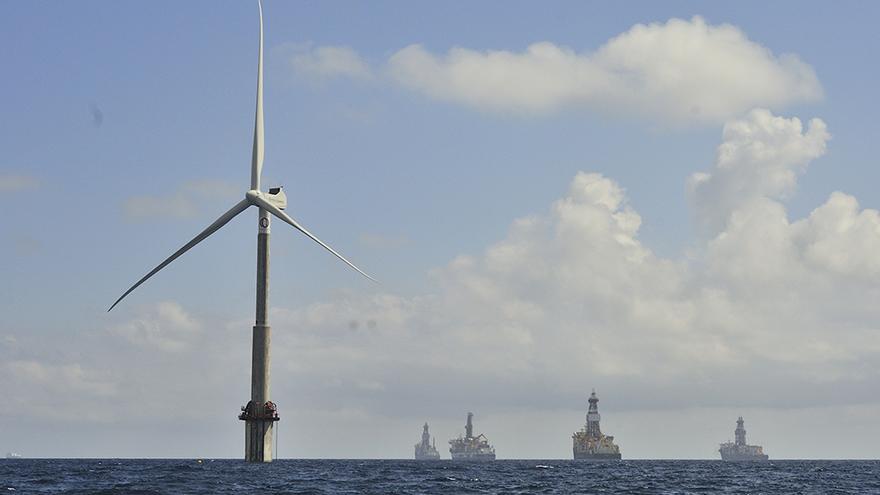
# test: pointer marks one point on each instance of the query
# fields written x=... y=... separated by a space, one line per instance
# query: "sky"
x=673 y=203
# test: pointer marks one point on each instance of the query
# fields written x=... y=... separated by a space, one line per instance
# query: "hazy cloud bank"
x=166 y=327
x=185 y=202
x=11 y=182
x=323 y=62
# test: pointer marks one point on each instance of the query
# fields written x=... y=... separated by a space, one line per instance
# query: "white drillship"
x=739 y=450
x=426 y=450
x=470 y=447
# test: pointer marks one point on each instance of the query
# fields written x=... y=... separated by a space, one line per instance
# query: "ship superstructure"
x=589 y=443
x=426 y=450
x=739 y=450
x=470 y=447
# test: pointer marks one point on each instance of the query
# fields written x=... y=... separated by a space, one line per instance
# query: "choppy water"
x=132 y=476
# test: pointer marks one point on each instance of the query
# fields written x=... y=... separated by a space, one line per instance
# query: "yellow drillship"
x=589 y=443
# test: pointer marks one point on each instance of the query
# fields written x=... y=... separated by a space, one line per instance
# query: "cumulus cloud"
x=328 y=61
x=680 y=71
x=567 y=295
x=166 y=327
x=841 y=237
x=761 y=156
x=10 y=182
x=767 y=311
x=183 y=203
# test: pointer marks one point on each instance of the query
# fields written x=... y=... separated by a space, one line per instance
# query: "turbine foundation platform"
x=259 y=426
x=260 y=413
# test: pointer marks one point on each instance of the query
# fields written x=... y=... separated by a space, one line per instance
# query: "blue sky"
x=127 y=128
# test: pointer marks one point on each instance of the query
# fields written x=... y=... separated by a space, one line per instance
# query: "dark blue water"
x=133 y=476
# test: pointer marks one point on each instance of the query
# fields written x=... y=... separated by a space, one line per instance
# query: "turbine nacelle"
x=275 y=196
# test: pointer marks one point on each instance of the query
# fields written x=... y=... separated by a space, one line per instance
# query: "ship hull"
x=733 y=457
x=427 y=457
x=473 y=457
x=586 y=456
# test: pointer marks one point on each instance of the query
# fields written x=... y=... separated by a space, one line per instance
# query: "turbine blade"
x=214 y=227
x=257 y=161
x=266 y=205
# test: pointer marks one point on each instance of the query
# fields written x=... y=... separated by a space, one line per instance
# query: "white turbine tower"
x=260 y=413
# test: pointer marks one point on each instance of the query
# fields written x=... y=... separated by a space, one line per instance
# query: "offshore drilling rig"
x=426 y=450
x=470 y=447
x=589 y=443
x=738 y=450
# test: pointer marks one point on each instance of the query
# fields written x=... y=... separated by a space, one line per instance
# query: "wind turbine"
x=260 y=413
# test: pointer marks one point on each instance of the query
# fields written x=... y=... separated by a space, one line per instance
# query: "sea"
x=227 y=476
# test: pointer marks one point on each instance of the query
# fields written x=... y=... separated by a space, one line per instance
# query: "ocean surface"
x=137 y=476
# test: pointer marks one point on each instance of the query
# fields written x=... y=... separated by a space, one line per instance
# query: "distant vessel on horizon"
x=470 y=447
x=739 y=450
x=426 y=450
x=590 y=443
x=13 y=455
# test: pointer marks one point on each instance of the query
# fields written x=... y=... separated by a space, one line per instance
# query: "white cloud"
x=56 y=391
x=183 y=203
x=841 y=238
x=681 y=71
x=67 y=376
x=761 y=156
x=768 y=311
x=10 y=182
x=166 y=327
x=328 y=61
